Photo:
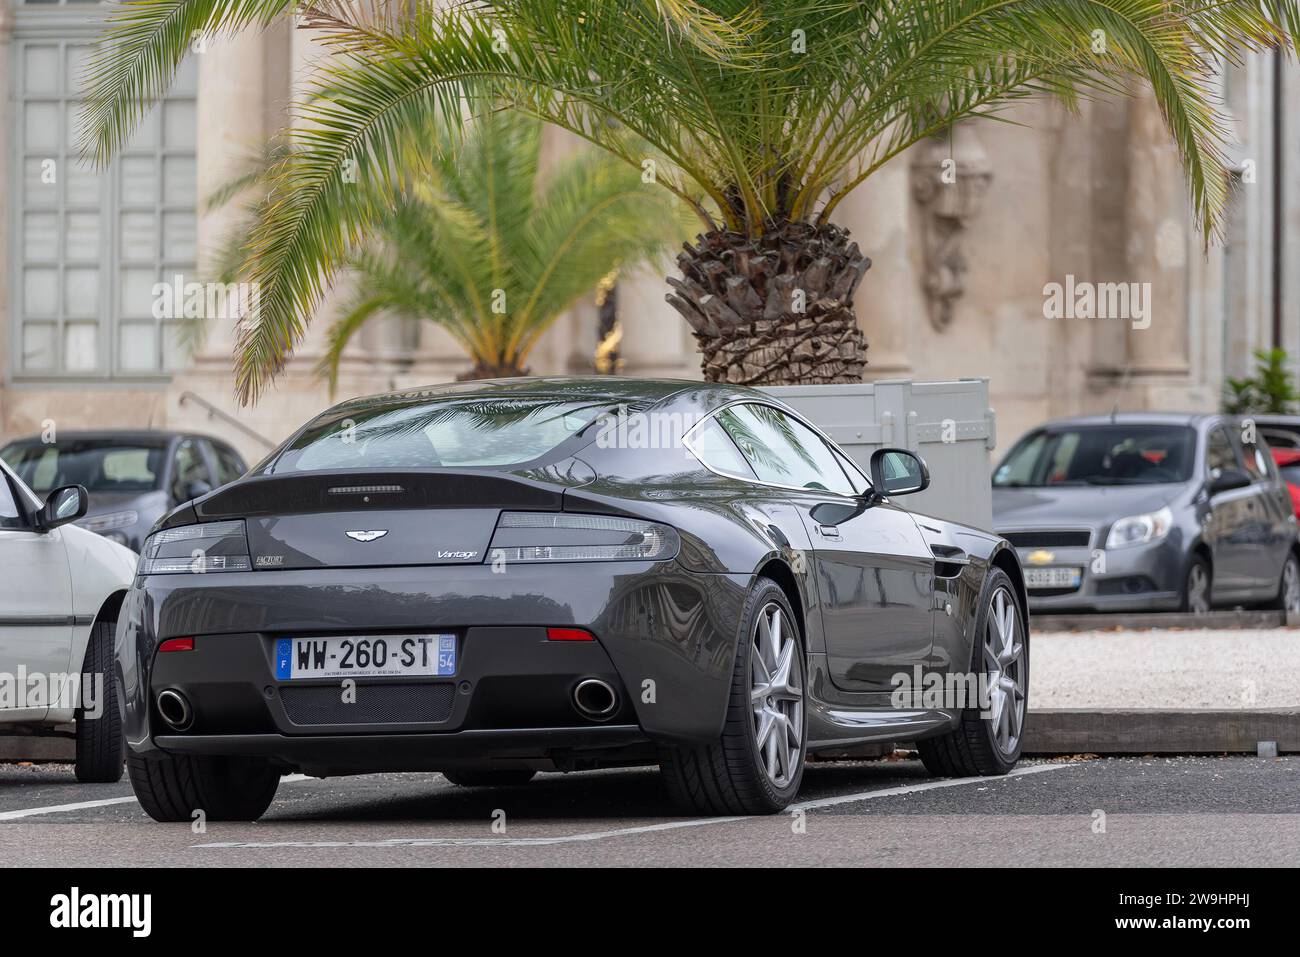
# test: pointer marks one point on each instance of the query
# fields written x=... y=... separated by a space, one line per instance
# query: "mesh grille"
x=1060 y=539
x=375 y=704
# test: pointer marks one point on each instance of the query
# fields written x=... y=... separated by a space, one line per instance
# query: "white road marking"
x=103 y=802
x=629 y=831
x=60 y=808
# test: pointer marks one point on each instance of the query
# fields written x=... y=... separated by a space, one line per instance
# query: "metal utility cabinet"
x=949 y=424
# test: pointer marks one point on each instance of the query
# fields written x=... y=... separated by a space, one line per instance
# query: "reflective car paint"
x=669 y=629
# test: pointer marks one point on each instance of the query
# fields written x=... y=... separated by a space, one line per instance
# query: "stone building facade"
x=967 y=236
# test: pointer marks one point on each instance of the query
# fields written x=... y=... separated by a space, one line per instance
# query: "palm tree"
x=480 y=242
x=761 y=116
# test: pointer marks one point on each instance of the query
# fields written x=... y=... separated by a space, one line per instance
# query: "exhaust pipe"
x=595 y=699
x=175 y=709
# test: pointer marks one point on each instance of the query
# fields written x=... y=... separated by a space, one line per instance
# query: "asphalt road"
x=1123 y=811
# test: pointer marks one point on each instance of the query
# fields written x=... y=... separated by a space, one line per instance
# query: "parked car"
x=514 y=585
x=1152 y=512
x=1288 y=464
x=63 y=588
x=133 y=477
x=1280 y=431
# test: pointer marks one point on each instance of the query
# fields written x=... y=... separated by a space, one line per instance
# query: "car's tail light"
x=562 y=537
x=177 y=644
x=568 y=634
x=197 y=549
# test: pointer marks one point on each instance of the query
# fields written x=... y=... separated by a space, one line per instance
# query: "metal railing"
x=216 y=413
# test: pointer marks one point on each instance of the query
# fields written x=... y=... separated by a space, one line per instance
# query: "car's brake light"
x=568 y=634
x=197 y=549
x=568 y=537
x=177 y=644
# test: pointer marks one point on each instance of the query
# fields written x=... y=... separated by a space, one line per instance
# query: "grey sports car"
x=496 y=578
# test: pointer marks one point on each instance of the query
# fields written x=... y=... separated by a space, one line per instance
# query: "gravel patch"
x=1165 y=669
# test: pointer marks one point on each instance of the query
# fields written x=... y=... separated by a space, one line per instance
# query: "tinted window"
x=715 y=449
x=101 y=465
x=229 y=465
x=190 y=468
x=1113 y=454
x=1280 y=438
x=10 y=515
x=1256 y=460
x=783 y=450
x=1219 y=453
x=471 y=433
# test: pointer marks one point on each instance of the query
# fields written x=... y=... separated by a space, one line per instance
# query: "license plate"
x=365 y=656
x=1053 y=577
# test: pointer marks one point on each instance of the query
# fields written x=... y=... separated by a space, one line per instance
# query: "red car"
x=1288 y=463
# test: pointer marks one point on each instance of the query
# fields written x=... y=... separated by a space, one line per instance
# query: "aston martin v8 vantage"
x=495 y=578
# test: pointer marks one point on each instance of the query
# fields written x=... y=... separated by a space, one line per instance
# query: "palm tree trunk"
x=777 y=310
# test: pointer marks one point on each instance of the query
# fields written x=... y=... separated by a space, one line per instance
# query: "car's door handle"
x=829 y=532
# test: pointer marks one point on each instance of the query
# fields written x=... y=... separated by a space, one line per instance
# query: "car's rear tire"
x=99 y=738
x=489 y=777
x=984 y=745
x=756 y=766
x=173 y=787
x=1288 y=589
x=1198 y=587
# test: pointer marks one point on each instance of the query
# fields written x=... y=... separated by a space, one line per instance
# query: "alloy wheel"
x=776 y=695
x=1198 y=589
x=1004 y=663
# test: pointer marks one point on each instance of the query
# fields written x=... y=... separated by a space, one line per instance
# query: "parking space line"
x=102 y=802
x=628 y=831
x=61 y=808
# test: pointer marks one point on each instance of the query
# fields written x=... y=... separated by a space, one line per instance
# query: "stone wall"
x=1097 y=196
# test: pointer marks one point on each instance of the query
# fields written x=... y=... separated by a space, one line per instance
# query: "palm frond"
x=138 y=54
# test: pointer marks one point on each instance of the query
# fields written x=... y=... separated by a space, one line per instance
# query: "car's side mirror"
x=66 y=504
x=1224 y=480
x=898 y=472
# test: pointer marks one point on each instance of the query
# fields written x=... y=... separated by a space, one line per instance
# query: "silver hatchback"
x=1150 y=512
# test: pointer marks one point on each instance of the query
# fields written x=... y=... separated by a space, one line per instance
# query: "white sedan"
x=60 y=590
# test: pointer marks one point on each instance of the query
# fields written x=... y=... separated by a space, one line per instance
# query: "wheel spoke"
x=776 y=696
x=782 y=737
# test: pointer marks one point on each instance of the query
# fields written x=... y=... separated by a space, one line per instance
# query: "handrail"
x=216 y=413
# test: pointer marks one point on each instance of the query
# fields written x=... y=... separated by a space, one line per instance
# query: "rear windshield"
x=1100 y=455
x=470 y=433
x=101 y=465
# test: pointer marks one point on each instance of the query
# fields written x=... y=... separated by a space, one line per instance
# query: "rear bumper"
x=666 y=640
x=324 y=755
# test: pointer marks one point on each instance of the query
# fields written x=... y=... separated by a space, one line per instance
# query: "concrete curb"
x=37 y=748
x=1120 y=620
x=1141 y=731
x=1050 y=731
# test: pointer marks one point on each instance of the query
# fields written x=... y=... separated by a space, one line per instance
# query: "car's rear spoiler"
x=360 y=489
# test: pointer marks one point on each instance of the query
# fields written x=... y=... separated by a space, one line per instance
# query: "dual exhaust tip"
x=592 y=698
x=175 y=709
x=595 y=699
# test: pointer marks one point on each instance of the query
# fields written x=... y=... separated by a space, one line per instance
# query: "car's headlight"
x=1140 y=529
x=197 y=549
x=558 y=537
x=109 y=521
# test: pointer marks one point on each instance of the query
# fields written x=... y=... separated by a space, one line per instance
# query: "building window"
x=88 y=247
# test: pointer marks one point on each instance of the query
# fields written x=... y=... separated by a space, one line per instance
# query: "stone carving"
x=950 y=175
